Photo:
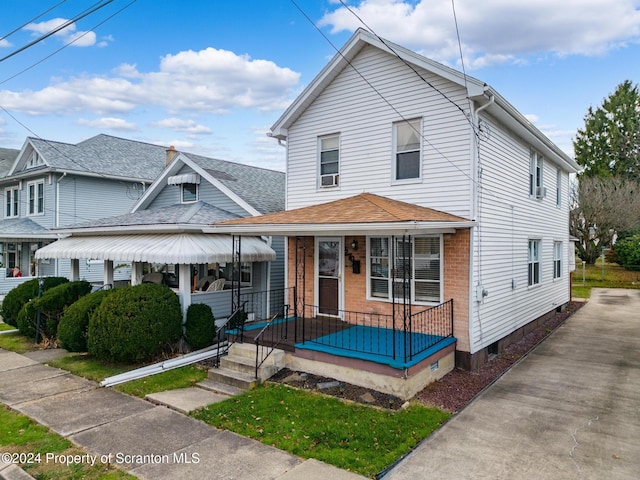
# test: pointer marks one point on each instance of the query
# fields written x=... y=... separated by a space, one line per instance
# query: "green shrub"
x=15 y=299
x=628 y=252
x=134 y=324
x=74 y=324
x=52 y=305
x=200 y=327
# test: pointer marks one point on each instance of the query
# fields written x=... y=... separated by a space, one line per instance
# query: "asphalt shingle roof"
x=21 y=226
x=7 y=157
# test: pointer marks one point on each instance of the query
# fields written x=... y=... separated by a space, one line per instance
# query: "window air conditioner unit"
x=329 y=180
x=541 y=192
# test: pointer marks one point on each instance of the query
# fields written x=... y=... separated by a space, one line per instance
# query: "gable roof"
x=365 y=212
x=477 y=91
x=7 y=157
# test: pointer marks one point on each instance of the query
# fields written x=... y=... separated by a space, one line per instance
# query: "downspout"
x=475 y=234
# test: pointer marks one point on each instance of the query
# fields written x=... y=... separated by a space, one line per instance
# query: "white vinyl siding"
x=329 y=161
x=365 y=122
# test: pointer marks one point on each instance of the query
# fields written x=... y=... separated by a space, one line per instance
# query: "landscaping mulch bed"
x=452 y=392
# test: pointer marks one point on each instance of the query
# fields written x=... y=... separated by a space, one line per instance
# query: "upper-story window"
x=35 y=192
x=558 y=187
x=536 y=189
x=189 y=192
x=35 y=160
x=329 y=148
x=11 y=202
x=407 y=149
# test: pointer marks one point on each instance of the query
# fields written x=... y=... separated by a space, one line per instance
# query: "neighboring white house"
x=435 y=186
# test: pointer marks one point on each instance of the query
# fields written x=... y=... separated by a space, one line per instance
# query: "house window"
x=407 y=141
x=558 y=187
x=329 y=160
x=189 y=192
x=534 y=262
x=246 y=272
x=10 y=256
x=35 y=191
x=35 y=160
x=11 y=196
x=536 y=189
x=417 y=263
x=557 y=259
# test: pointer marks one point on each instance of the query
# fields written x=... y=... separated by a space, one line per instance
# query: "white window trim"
x=536 y=176
x=394 y=162
x=531 y=283
x=36 y=211
x=14 y=199
x=558 y=187
x=557 y=257
x=182 y=200
x=390 y=263
x=336 y=179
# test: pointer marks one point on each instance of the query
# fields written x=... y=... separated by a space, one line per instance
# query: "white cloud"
x=495 y=31
x=180 y=125
x=66 y=35
x=108 y=122
x=4 y=43
x=210 y=80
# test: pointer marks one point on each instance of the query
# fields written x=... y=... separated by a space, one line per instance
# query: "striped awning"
x=184 y=178
x=181 y=248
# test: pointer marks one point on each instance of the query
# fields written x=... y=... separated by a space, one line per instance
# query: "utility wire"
x=95 y=7
x=32 y=20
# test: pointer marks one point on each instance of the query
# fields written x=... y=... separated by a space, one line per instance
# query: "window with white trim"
x=189 y=192
x=34 y=160
x=329 y=153
x=534 y=262
x=11 y=202
x=35 y=194
x=558 y=187
x=536 y=189
x=418 y=262
x=407 y=142
x=557 y=259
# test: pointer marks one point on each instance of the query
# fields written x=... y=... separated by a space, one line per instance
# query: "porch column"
x=136 y=273
x=75 y=269
x=184 y=291
x=108 y=272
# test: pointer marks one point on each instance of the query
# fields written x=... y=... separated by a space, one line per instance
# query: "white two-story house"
x=422 y=207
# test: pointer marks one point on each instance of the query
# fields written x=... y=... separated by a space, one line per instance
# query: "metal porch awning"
x=182 y=248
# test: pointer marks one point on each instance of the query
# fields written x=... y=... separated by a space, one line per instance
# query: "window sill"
x=407 y=181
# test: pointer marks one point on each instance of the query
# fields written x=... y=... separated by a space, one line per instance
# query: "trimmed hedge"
x=74 y=324
x=200 y=327
x=15 y=299
x=134 y=324
x=52 y=305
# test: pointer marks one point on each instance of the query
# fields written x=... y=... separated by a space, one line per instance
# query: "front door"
x=329 y=282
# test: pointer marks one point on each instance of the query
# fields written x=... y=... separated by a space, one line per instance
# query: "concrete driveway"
x=569 y=410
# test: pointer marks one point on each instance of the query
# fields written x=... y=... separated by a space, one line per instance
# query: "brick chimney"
x=171 y=154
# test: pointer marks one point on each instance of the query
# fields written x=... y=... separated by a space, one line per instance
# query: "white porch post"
x=108 y=272
x=136 y=273
x=75 y=269
x=184 y=292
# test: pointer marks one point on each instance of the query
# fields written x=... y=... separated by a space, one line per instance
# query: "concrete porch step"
x=218 y=387
x=235 y=378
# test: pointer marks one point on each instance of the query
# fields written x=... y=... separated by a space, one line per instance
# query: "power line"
x=32 y=20
x=94 y=8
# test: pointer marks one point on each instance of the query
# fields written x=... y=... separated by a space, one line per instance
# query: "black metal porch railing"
x=379 y=335
x=270 y=336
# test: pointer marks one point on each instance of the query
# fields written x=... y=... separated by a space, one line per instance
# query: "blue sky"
x=212 y=76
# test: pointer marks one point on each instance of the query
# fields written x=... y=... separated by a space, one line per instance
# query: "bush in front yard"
x=15 y=299
x=52 y=305
x=74 y=324
x=628 y=252
x=134 y=324
x=200 y=327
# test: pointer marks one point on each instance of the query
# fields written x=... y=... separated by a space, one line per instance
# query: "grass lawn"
x=359 y=438
x=17 y=343
x=19 y=434
x=89 y=367
x=614 y=277
x=6 y=326
x=181 y=377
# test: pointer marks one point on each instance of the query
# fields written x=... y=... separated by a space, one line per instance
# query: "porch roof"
x=365 y=213
x=183 y=248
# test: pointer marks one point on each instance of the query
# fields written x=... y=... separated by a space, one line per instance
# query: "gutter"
x=160 y=367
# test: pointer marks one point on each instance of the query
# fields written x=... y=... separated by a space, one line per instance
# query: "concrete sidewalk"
x=148 y=440
x=569 y=410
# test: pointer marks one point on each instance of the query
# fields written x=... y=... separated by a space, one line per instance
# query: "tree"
x=609 y=144
x=602 y=206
